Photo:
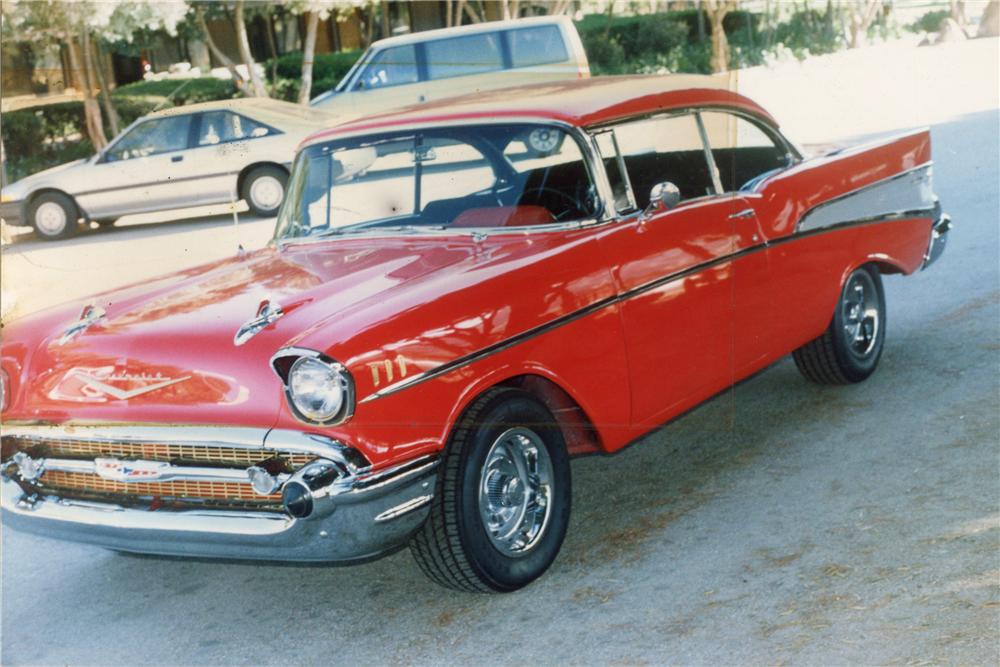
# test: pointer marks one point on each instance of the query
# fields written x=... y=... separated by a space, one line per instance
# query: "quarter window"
x=159 y=135
x=460 y=56
x=743 y=151
x=537 y=46
x=219 y=127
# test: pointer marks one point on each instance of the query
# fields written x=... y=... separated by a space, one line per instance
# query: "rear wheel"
x=53 y=215
x=263 y=189
x=502 y=504
x=850 y=349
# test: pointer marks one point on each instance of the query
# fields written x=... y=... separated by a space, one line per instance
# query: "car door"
x=225 y=142
x=676 y=268
x=144 y=169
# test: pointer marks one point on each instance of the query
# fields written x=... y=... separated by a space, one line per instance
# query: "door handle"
x=745 y=213
x=177 y=158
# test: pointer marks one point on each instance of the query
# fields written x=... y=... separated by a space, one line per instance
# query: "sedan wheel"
x=502 y=502
x=263 y=190
x=53 y=215
x=851 y=347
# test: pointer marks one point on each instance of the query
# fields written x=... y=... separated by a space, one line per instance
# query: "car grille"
x=173 y=492
x=68 y=482
x=154 y=451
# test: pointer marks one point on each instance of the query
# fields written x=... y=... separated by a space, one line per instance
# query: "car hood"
x=164 y=351
x=21 y=187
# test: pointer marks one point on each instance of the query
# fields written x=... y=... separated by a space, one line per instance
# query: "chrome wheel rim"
x=515 y=491
x=266 y=192
x=860 y=315
x=50 y=218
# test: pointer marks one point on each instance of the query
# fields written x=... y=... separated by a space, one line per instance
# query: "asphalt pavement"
x=780 y=523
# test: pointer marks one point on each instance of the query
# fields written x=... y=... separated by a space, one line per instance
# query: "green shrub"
x=180 y=91
x=930 y=22
x=328 y=70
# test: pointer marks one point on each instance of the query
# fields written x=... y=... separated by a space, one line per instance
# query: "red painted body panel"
x=631 y=353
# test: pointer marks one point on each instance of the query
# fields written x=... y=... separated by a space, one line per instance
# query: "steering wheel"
x=535 y=197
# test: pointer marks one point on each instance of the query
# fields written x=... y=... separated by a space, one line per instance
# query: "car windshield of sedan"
x=461 y=177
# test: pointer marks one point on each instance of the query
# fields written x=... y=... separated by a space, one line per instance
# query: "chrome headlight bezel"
x=284 y=364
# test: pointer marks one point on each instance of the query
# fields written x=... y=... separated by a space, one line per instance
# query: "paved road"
x=780 y=523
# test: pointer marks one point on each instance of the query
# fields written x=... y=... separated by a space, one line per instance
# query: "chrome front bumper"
x=938 y=240
x=358 y=516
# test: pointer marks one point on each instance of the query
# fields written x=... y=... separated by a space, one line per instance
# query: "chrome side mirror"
x=663 y=197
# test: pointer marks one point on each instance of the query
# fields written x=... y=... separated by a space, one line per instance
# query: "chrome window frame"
x=591 y=159
x=773 y=133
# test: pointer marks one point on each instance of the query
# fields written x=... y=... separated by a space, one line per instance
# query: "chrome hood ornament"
x=91 y=314
x=268 y=312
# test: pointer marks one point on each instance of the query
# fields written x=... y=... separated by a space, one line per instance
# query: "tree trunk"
x=243 y=44
x=272 y=46
x=238 y=80
x=717 y=11
x=383 y=11
x=720 y=45
x=957 y=8
x=989 y=25
x=308 y=53
x=91 y=110
x=109 y=107
x=862 y=15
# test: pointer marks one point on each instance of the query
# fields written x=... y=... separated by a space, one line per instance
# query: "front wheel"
x=53 y=215
x=263 y=189
x=502 y=502
x=850 y=349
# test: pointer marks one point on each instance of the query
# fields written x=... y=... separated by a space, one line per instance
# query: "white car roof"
x=458 y=31
x=277 y=113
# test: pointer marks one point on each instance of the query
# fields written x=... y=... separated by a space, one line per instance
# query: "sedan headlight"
x=319 y=391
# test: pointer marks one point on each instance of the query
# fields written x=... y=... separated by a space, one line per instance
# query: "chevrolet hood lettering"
x=99 y=385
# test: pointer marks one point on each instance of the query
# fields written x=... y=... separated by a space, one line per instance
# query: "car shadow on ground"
x=21 y=239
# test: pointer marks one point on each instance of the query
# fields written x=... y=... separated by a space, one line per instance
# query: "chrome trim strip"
x=169 y=472
x=404 y=508
x=472 y=357
x=237 y=437
x=886 y=196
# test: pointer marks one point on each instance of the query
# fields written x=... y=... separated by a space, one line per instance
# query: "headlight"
x=319 y=391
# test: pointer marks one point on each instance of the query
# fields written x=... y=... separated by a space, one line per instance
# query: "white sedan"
x=186 y=156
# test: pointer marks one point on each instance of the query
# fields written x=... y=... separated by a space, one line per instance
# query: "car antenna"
x=171 y=95
x=240 y=250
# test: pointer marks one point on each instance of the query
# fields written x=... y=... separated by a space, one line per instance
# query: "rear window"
x=460 y=56
x=537 y=46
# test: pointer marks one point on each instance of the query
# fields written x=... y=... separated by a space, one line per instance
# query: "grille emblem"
x=130 y=471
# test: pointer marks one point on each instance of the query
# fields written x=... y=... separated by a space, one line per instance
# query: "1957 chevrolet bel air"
x=459 y=298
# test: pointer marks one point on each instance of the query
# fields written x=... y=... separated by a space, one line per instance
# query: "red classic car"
x=459 y=298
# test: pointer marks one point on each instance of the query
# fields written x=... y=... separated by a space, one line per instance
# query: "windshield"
x=463 y=177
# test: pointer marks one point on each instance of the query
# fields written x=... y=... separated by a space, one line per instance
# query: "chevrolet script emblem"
x=130 y=471
x=102 y=387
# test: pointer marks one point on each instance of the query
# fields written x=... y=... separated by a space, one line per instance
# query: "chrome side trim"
x=516 y=339
x=910 y=190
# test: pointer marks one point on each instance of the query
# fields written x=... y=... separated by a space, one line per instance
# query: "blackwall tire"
x=502 y=502
x=850 y=349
